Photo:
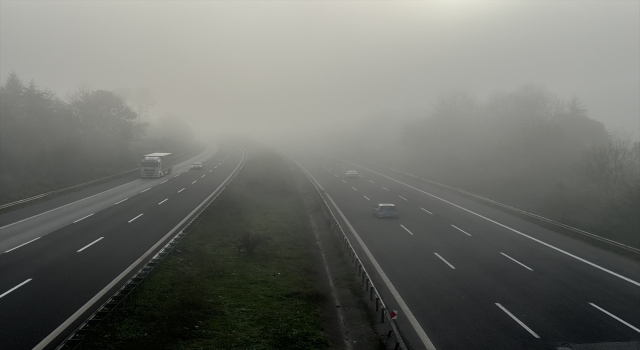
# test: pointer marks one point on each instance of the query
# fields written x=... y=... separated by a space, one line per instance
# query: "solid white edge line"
x=403 y=198
x=616 y=317
x=14 y=248
x=82 y=218
x=386 y=189
x=163 y=201
x=16 y=287
x=353 y=188
x=508 y=228
x=406 y=229
x=519 y=322
x=461 y=230
x=410 y=317
x=89 y=245
x=44 y=342
x=136 y=217
x=446 y=262
x=426 y=210
x=145 y=190
x=516 y=261
x=366 y=197
x=181 y=190
x=120 y=201
x=66 y=205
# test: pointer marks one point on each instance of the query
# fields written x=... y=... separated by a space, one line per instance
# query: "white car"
x=385 y=210
x=351 y=173
x=196 y=165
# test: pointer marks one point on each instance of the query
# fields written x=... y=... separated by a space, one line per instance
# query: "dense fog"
x=531 y=103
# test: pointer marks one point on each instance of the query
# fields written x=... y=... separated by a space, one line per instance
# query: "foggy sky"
x=275 y=65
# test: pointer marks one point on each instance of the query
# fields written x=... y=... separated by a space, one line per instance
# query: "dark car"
x=385 y=210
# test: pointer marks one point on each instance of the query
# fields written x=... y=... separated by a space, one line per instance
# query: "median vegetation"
x=241 y=279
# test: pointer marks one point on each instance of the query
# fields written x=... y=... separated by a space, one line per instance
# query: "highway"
x=465 y=275
x=58 y=255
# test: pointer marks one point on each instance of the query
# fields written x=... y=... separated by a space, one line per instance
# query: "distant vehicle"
x=196 y=165
x=385 y=210
x=351 y=173
x=155 y=165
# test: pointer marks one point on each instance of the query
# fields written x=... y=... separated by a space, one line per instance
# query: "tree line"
x=527 y=148
x=48 y=143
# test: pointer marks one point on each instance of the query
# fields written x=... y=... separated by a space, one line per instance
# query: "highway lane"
x=58 y=273
x=23 y=225
x=472 y=283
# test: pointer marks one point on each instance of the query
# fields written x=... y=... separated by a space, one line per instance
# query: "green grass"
x=209 y=294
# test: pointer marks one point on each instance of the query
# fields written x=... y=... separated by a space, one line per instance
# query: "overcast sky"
x=269 y=65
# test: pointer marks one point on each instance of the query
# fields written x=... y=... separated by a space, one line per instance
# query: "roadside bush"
x=249 y=241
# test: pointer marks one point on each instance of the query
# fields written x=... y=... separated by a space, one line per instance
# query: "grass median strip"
x=241 y=279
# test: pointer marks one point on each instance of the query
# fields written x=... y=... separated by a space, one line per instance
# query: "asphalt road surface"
x=465 y=275
x=57 y=255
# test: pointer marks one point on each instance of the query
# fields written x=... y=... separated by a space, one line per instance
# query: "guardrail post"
x=377 y=304
x=366 y=286
x=359 y=269
x=371 y=293
x=382 y=315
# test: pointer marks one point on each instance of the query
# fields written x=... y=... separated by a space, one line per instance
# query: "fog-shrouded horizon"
x=277 y=68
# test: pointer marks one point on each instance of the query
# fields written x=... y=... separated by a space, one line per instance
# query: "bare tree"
x=610 y=171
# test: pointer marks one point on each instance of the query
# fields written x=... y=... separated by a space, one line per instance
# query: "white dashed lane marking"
x=23 y=244
x=16 y=287
x=136 y=217
x=610 y=314
x=517 y=262
x=460 y=230
x=89 y=245
x=83 y=218
x=517 y=320
x=446 y=262
x=406 y=229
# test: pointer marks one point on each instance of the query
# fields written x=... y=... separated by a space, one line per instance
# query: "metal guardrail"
x=519 y=211
x=124 y=294
x=7 y=205
x=376 y=302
